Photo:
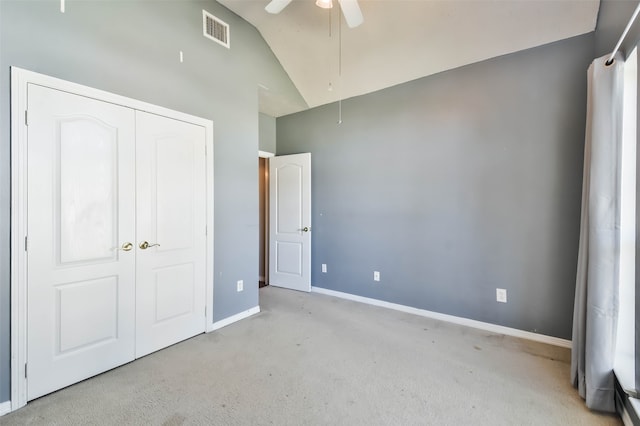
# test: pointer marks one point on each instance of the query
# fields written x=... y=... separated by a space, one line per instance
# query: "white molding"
x=233 y=318
x=5 y=407
x=102 y=95
x=210 y=224
x=20 y=78
x=265 y=154
x=19 y=82
x=493 y=328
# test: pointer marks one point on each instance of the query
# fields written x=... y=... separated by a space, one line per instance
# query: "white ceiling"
x=401 y=40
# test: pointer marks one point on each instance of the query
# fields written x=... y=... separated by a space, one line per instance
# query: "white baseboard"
x=493 y=328
x=5 y=407
x=234 y=318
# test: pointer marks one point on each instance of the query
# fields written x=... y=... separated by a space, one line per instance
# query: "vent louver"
x=215 y=29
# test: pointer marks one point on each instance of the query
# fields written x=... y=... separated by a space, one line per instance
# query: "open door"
x=290 y=221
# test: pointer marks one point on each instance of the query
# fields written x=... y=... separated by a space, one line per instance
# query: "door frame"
x=20 y=78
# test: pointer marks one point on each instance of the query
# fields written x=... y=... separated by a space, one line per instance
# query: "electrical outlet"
x=501 y=295
x=240 y=285
x=324 y=268
x=376 y=276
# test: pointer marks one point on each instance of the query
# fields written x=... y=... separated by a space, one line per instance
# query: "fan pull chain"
x=339 y=45
x=340 y=67
x=330 y=88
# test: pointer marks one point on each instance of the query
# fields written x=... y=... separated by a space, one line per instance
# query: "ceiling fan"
x=350 y=9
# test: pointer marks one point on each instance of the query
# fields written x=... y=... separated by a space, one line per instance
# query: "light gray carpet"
x=309 y=359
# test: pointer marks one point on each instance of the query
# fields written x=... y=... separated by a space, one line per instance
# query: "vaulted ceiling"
x=402 y=40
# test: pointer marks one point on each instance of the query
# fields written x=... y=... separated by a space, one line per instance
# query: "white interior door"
x=290 y=221
x=171 y=219
x=81 y=198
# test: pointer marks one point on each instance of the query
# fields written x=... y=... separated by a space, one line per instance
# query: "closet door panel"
x=81 y=212
x=171 y=220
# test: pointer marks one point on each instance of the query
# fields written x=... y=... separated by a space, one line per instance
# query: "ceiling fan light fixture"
x=325 y=4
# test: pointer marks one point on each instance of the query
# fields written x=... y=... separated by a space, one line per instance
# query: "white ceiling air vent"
x=215 y=29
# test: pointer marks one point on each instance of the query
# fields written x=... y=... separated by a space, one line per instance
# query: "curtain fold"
x=596 y=299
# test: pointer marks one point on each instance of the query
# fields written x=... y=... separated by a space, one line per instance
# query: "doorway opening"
x=263 y=221
x=285 y=244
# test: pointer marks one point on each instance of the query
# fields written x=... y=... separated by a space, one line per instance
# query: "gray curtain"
x=596 y=300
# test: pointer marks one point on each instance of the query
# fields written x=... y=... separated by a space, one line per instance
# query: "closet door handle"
x=125 y=247
x=145 y=245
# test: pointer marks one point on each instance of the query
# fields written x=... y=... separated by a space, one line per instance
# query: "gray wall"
x=453 y=185
x=131 y=48
x=267 y=129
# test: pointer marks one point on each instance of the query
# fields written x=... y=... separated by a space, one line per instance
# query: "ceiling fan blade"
x=351 y=12
x=276 y=6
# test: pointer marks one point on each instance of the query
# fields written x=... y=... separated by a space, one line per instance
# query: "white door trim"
x=20 y=78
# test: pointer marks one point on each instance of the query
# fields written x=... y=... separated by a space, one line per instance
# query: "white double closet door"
x=116 y=236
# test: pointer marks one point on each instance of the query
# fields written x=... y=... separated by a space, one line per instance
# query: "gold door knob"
x=126 y=247
x=145 y=245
